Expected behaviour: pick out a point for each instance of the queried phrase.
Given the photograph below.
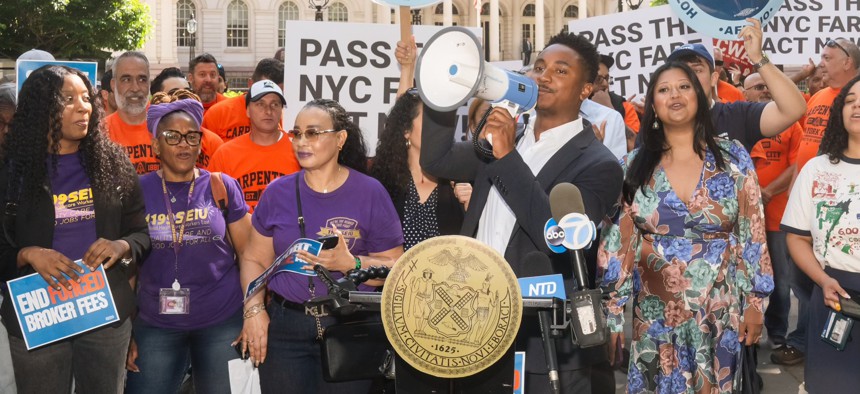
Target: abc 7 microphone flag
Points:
(573, 232)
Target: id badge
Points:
(174, 301)
(837, 329)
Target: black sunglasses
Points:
(834, 44)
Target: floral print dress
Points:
(692, 269)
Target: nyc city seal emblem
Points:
(451, 306)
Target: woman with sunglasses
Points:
(190, 302)
(334, 197)
(427, 206)
(821, 225)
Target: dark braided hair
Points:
(835, 138)
(36, 131)
(390, 167)
(354, 152)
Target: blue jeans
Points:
(776, 315)
(293, 362)
(802, 287)
(164, 355)
(96, 359)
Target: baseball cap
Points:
(262, 88)
(695, 49)
(36, 54)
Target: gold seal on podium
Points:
(451, 306)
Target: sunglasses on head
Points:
(834, 44)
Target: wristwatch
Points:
(761, 63)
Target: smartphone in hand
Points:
(328, 241)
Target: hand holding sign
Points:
(51, 265)
(336, 259)
(752, 37)
(105, 252)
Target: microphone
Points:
(589, 323)
(539, 265)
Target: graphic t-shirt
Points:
(361, 208)
(817, 114)
(824, 205)
(228, 119)
(208, 145)
(74, 212)
(136, 140)
(255, 166)
(205, 263)
(772, 156)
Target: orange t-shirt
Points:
(817, 114)
(228, 119)
(772, 157)
(631, 118)
(806, 96)
(208, 145)
(136, 141)
(728, 93)
(218, 98)
(254, 166)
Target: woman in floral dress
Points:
(688, 245)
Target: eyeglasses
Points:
(310, 135)
(758, 87)
(834, 44)
(413, 92)
(601, 79)
(173, 137)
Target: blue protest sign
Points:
(23, 68)
(286, 262)
(46, 315)
(723, 19)
(519, 372)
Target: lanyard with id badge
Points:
(175, 300)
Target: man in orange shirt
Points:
(725, 91)
(266, 153)
(203, 77)
(127, 126)
(774, 165)
(840, 60)
(229, 118)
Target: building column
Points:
(447, 13)
(583, 9)
(383, 13)
(540, 27)
(494, 30)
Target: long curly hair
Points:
(354, 152)
(654, 141)
(35, 135)
(391, 165)
(835, 138)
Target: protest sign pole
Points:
(405, 23)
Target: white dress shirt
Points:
(497, 220)
(615, 137)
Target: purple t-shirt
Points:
(74, 214)
(360, 208)
(206, 264)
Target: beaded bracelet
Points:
(253, 310)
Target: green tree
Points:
(73, 28)
(655, 3)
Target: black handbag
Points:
(750, 382)
(355, 351)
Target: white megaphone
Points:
(450, 71)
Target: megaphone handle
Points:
(405, 24)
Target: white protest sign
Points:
(802, 27)
(352, 63)
(639, 41)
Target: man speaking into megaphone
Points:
(510, 202)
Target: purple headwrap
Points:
(156, 112)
